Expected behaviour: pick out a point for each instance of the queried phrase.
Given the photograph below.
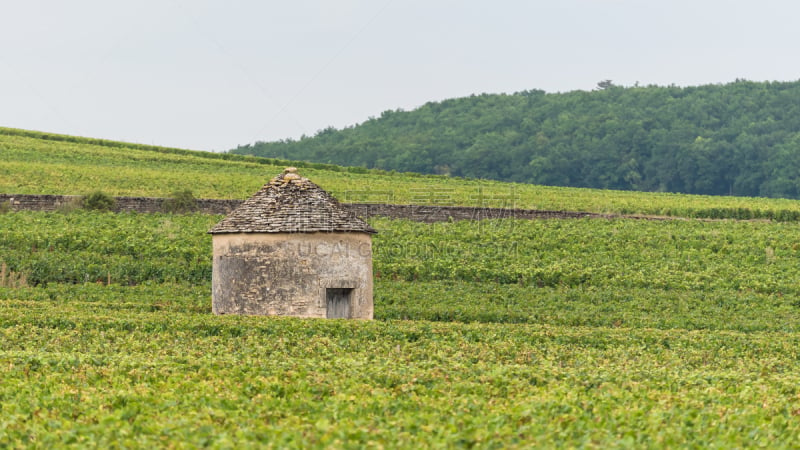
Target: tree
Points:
(612, 137)
(605, 84)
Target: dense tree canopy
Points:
(741, 138)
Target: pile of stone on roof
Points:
(290, 203)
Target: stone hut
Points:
(292, 250)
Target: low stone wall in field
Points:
(124, 204)
(34, 202)
(420, 213)
(425, 213)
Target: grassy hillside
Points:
(494, 334)
(37, 163)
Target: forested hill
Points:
(741, 138)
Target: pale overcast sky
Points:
(209, 75)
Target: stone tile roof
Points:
(290, 203)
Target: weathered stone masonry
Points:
(292, 250)
(283, 274)
(124, 204)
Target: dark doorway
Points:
(338, 302)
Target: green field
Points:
(503, 333)
(39, 163)
(102, 367)
(495, 334)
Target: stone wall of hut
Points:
(291, 274)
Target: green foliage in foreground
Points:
(98, 366)
(33, 163)
(595, 333)
(612, 307)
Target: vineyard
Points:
(105, 367)
(505, 333)
(39, 163)
(505, 268)
(502, 333)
